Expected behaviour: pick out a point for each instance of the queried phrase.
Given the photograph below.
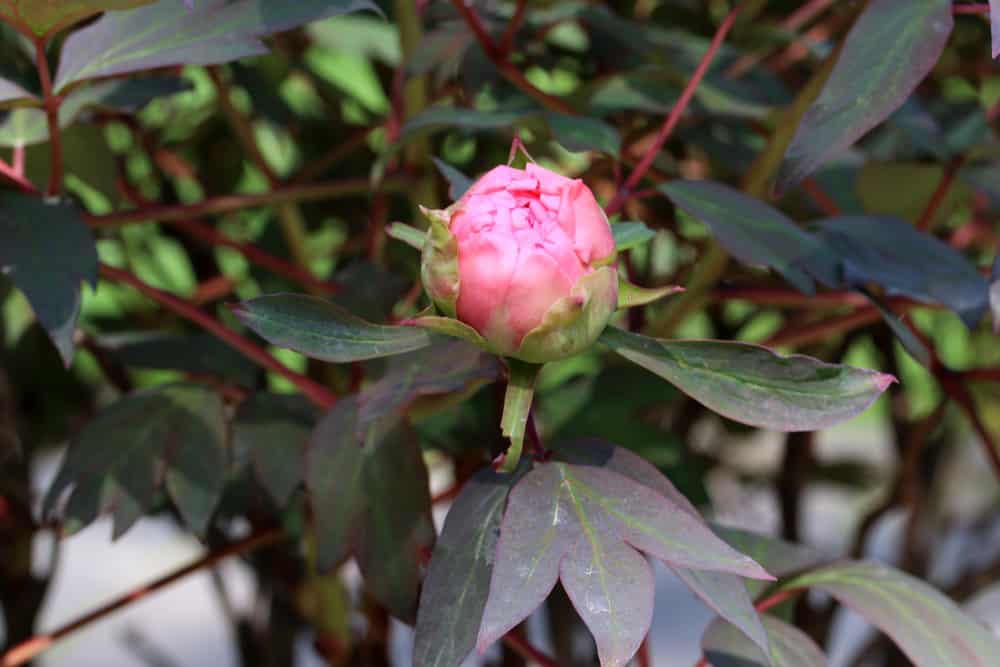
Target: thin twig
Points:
(807, 12)
(522, 647)
(12, 174)
(314, 391)
(33, 647)
(52, 103)
(956, 389)
(951, 169)
(971, 9)
(231, 203)
(507, 41)
(674, 117)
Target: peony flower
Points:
(527, 259)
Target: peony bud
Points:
(527, 259)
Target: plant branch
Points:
(951, 169)
(956, 389)
(231, 203)
(526, 650)
(971, 9)
(507, 41)
(318, 394)
(33, 647)
(503, 64)
(52, 103)
(16, 176)
(673, 118)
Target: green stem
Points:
(517, 408)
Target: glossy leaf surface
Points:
(42, 17)
(560, 509)
(752, 384)
(322, 330)
(888, 52)
(928, 627)
(754, 232)
(167, 33)
(458, 581)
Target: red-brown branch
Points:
(31, 648)
(16, 176)
(673, 118)
(954, 385)
(507, 41)
(526, 650)
(951, 169)
(317, 393)
(971, 9)
(52, 103)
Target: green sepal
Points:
(439, 261)
(517, 409)
(411, 236)
(451, 327)
(630, 295)
(572, 324)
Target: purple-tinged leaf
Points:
(559, 508)
(725, 593)
(755, 232)
(270, 433)
(47, 261)
(169, 439)
(368, 486)
(458, 580)
(611, 586)
(927, 626)
(725, 646)
(12, 91)
(422, 375)
(995, 26)
(888, 52)
(752, 384)
(322, 330)
(166, 33)
(778, 557)
(38, 18)
(892, 253)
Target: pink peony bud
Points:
(526, 258)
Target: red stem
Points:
(800, 336)
(211, 236)
(499, 59)
(507, 41)
(675, 114)
(15, 176)
(231, 203)
(818, 194)
(970, 9)
(29, 649)
(314, 391)
(983, 374)
(951, 170)
(52, 104)
(522, 647)
(956, 389)
(762, 606)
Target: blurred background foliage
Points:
(346, 114)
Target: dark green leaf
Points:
(198, 353)
(47, 251)
(368, 485)
(170, 439)
(753, 385)
(755, 232)
(458, 581)
(584, 525)
(725, 593)
(447, 367)
(725, 646)
(322, 330)
(892, 253)
(271, 432)
(458, 182)
(887, 53)
(580, 133)
(166, 33)
(631, 234)
(442, 118)
(928, 627)
(369, 291)
(43, 17)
